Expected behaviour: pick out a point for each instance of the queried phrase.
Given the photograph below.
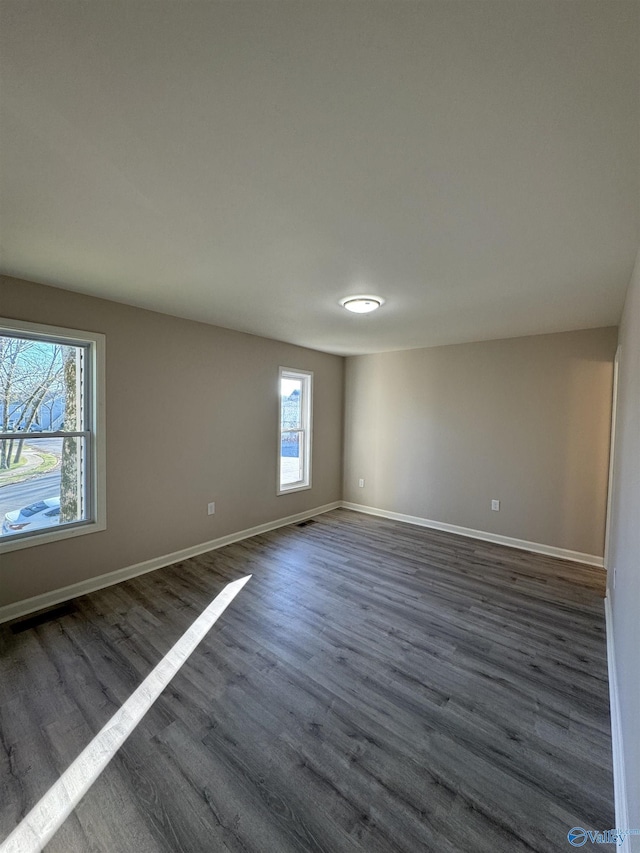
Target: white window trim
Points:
(307, 417)
(97, 468)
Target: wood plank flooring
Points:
(375, 687)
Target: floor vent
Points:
(42, 618)
(307, 522)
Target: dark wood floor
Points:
(375, 687)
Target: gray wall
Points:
(191, 417)
(439, 432)
(624, 546)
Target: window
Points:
(52, 478)
(294, 440)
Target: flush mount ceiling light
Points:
(361, 304)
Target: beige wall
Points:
(191, 418)
(624, 546)
(437, 433)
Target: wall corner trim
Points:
(617, 747)
(510, 542)
(57, 596)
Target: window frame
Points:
(94, 431)
(306, 428)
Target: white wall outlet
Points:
(211, 508)
(361, 483)
(495, 506)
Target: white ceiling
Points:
(248, 164)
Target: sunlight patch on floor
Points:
(48, 815)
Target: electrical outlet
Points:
(361, 483)
(495, 506)
(211, 508)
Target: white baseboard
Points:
(57, 596)
(523, 544)
(619, 783)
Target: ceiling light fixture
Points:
(361, 304)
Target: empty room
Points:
(319, 426)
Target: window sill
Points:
(287, 490)
(35, 539)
